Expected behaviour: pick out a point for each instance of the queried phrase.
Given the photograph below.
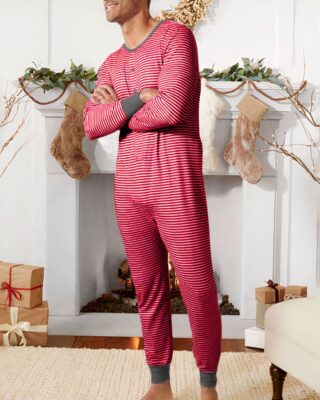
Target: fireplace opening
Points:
(123, 299)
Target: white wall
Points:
(51, 32)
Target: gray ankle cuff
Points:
(208, 379)
(159, 373)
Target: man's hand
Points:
(148, 93)
(103, 94)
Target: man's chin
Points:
(112, 19)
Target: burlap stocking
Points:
(66, 146)
(239, 151)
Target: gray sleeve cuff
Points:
(131, 104)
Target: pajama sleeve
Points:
(103, 119)
(177, 83)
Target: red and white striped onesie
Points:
(159, 192)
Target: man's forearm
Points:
(103, 119)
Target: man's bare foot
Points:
(159, 391)
(208, 393)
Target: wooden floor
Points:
(135, 343)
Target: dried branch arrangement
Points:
(8, 114)
(313, 146)
(187, 12)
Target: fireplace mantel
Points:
(77, 214)
(102, 152)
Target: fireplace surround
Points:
(83, 244)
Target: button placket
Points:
(132, 77)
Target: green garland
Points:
(250, 70)
(48, 79)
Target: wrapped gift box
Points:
(267, 294)
(299, 291)
(20, 284)
(24, 326)
(261, 309)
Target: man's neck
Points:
(137, 28)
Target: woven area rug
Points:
(51, 373)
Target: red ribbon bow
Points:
(14, 290)
(11, 291)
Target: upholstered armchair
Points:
(292, 342)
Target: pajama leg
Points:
(148, 262)
(184, 227)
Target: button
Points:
(131, 69)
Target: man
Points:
(149, 89)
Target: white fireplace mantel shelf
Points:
(82, 237)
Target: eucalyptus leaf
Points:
(245, 60)
(60, 84)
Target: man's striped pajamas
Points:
(159, 191)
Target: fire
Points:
(173, 279)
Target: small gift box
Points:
(24, 326)
(273, 293)
(261, 309)
(296, 291)
(20, 284)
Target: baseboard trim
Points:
(128, 325)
